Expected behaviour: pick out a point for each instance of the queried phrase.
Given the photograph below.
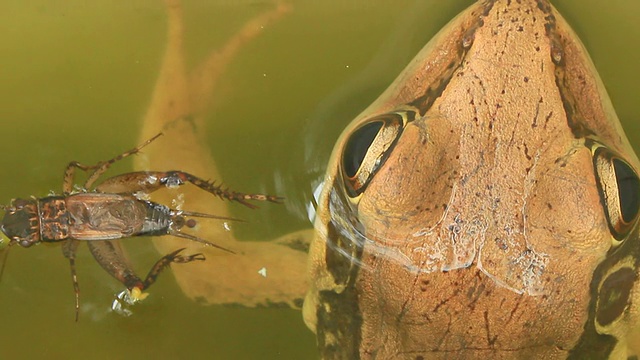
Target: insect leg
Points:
(70, 172)
(69, 250)
(4, 252)
(130, 183)
(110, 255)
(165, 261)
(98, 169)
(176, 178)
(112, 258)
(149, 181)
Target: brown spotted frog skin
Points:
(485, 206)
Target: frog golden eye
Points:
(367, 148)
(619, 190)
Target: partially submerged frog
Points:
(489, 187)
(485, 206)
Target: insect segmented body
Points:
(110, 211)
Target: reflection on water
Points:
(79, 79)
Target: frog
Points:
(484, 206)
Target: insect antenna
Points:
(4, 252)
(5, 243)
(197, 239)
(208, 216)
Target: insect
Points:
(114, 209)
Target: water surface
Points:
(76, 80)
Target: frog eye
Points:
(619, 188)
(367, 148)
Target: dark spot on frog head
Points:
(613, 297)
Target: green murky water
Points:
(75, 80)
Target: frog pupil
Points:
(628, 190)
(358, 145)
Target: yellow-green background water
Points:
(76, 77)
